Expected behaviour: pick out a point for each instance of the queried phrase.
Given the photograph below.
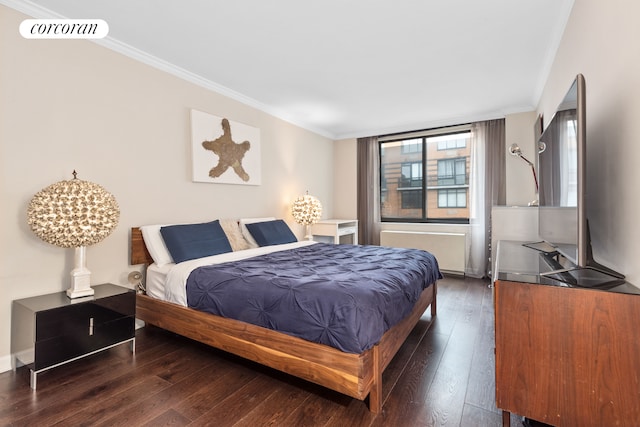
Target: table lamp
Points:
(306, 210)
(74, 214)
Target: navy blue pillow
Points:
(191, 241)
(271, 232)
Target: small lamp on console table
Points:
(74, 214)
(306, 210)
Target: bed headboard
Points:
(139, 252)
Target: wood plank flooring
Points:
(442, 376)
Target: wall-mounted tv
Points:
(562, 178)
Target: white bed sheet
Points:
(156, 278)
(168, 282)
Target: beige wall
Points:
(602, 41)
(520, 185)
(68, 105)
(345, 185)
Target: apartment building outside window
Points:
(425, 179)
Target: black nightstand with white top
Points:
(51, 330)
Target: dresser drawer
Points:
(49, 352)
(342, 231)
(75, 319)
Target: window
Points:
(425, 179)
(411, 175)
(411, 199)
(449, 144)
(452, 171)
(452, 198)
(412, 146)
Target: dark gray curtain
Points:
(496, 193)
(368, 191)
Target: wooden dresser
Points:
(565, 355)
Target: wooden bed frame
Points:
(356, 375)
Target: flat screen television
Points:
(562, 176)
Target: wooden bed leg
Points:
(506, 418)
(433, 302)
(375, 395)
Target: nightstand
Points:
(336, 231)
(50, 330)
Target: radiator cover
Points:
(448, 248)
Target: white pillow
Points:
(245, 231)
(155, 244)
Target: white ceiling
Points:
(343, 68)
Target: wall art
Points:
(224, 151)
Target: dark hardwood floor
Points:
(442, 376)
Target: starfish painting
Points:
(229, 153)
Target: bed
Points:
(354, 373)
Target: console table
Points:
(565, 355)
(336, 231)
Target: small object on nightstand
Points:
(135, 278)
(50, 330)
(336, 231)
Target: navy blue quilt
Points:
(344, 296)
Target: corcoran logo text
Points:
(64, 29)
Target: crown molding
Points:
(36, 11)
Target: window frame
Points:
(424, 135)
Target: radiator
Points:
(448, 248)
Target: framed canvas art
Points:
(224, 151)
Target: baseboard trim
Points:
(5, 363)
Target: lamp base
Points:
(80, 276)
(307, 230)
(74, 293)
(80, 285)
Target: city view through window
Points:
(426, 178)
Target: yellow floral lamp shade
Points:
(73, 213)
